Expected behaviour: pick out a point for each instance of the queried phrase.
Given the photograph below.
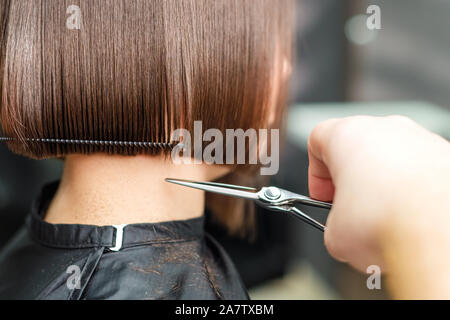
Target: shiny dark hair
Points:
(138, 69)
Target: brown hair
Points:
(138, 69)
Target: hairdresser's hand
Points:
(389, 180)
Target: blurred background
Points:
(341, 68)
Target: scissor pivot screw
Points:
(272, 193)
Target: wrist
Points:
(415, 248)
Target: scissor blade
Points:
(221, 188)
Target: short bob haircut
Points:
(138, 69)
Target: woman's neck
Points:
(107, 190)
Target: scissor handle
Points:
(275, 195)
(313, 203)
(291, 210)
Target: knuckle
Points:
(321, 130)
(347, 129)
(400, 119)
(333, 246)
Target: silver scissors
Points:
(271, 198)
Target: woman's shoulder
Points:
(197, 269)
(145, 268)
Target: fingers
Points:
(320, 181)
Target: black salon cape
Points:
(171, 260)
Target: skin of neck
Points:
(109, 190)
